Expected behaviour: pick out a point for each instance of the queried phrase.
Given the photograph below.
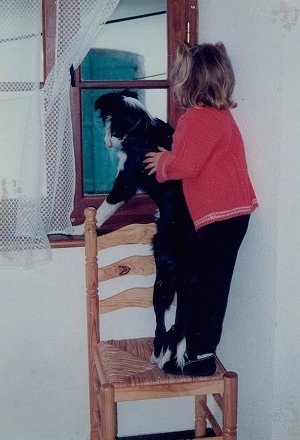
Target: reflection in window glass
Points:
(130, 19)
(100, 164)
(118, 54)
(112, 65)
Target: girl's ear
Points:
(183, 48)
(219, 45)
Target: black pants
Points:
(217, 248)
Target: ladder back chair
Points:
(120, 370)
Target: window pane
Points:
(119, 53)
(100, 164)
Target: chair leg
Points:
(108, 413)
(230, 406)
(200, 417)
(94, 435)
(94, 409)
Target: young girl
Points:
(208, 156)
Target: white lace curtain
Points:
(37, 173)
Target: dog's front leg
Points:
(104, 212)
(123, 189)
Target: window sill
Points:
(140, 209)
(63, 241)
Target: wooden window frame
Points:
(182, 25)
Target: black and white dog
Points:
(130, 127)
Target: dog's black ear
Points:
(129, 93)
(105, 103)
(99, 102)
(108, 102)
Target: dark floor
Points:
(182, 435)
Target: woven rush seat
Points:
(126, 362)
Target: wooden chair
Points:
(120, 370)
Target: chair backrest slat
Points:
(135, 297)
(133, 265)
(130, 234)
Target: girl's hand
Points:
(152, 159)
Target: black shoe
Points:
(203, 365)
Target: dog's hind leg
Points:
(163, 295)
(178, 349)
(187, 287)
(174, 346)
(161, 302)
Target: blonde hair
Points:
(203, 76)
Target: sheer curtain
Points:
(37, 175)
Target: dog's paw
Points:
(78, 230)
(161, 359)
(181, 353)
(166, 356)
(154, 359)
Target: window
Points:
(116, 61)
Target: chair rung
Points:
(219, 400)
(211, 418)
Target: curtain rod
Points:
(19, 37)
(136, 17)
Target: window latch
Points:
(72, 74)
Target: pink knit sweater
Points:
(208, 156)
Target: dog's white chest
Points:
(122, 159)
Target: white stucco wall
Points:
(262, 326)
(43, 371)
